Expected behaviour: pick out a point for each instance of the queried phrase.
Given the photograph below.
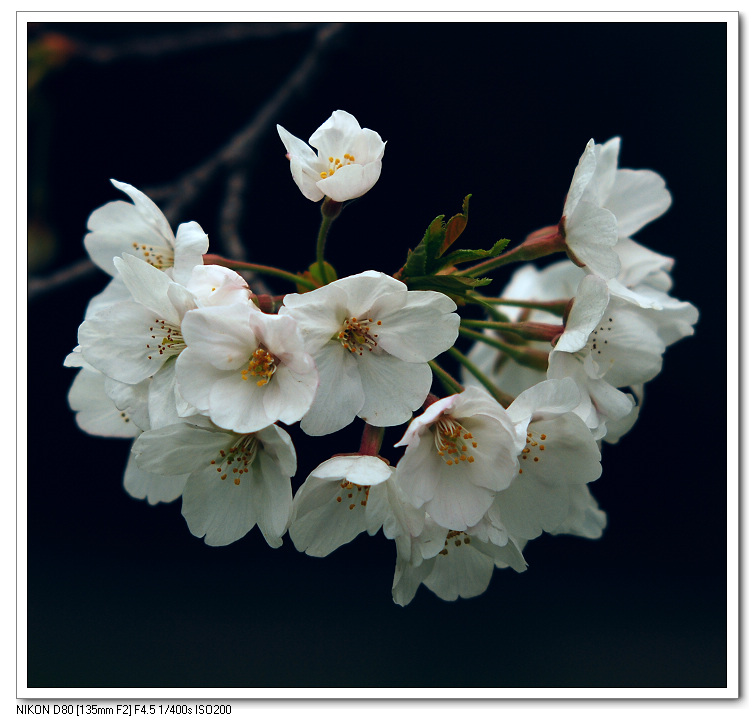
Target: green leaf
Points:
(448, 284)
(467, 256)
(455, 226)
(415, 261)
(433, 241)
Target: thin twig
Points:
(169, 44)
(70, 274)
(231, 212)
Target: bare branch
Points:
(230, 218)
(72, 273)
(160, 45)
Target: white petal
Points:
(325, 517)
(148, 286)
(220, 335)
(272, 497)
(238, 404)
(191, 244)
(96, 413)
(424, 327)
(363, 470)
(393, 388)
(116, 340)
(350, 181)
(218, 509)
(582, 175)
(339, 396)
(154, 487)
(179, 449)
(589, 306)
(638, 197)
(583, 518)
(591, 233)
(550, 396)
(116, 227)
(464, 572)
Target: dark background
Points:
(120, 594)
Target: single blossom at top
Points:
(140, 229)
(347, 163)
(371, 339)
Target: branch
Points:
(72, 273)
(231, 213)
(161, 45)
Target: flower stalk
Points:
(503, 398)
(212, 259)
(527, 329)
(330, 210)
(537, 245)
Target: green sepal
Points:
(313, 274)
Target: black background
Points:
(119, 592)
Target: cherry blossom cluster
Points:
(180, 355)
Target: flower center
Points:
(456, 538)
(533, 448)
(452, 441)
(158, 257)
(336, 164)
(262, 365)
(356, 335)
(353, 494)
(237, 459)
(171, 343)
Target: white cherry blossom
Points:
(102, 406)
(244, 368)
(118, 410)
(559, 453)
(371, 339)
(140, 229)
(347, 163)
(635, 197)
(235, 481)
(460, 568)
(605, 204)
(130, 341)
(340, 499)
(583, 517)
(459, 453)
